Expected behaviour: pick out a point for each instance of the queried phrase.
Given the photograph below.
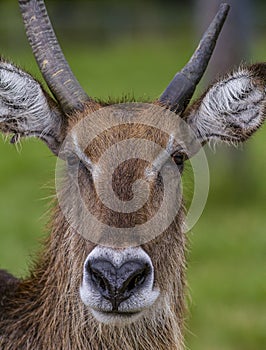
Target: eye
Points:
(72, 159)
(179, 158)
(74, 162)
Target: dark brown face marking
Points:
(123, 179)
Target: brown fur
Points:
(45, 311)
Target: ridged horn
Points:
(50, 58)
(180, 90)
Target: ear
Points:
(233, 108)
(26, 110)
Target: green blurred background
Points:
(117, 47)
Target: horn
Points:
(180, 90)
(50, 58)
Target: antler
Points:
(180, 90)
(50, 57)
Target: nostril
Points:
(139, 279)
(136, 279)
(98, 279)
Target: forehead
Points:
(128, 126)
(129, 137)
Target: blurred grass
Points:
(227, 275)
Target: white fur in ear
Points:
(24, 108)
(231, 110)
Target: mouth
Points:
(115, 316)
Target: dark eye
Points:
(72, 159)
(178, 158)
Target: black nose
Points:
(117, 284)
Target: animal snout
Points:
(118, 283)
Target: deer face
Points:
(119, 162)
(113, 201)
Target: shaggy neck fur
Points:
(46, 312)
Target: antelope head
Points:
(121, 191)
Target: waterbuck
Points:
(112, 272)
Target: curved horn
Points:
(180, 90)
(50, 58)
